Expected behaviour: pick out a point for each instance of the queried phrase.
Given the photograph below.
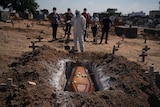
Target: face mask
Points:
(77, 14)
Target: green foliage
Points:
(20, 5)
(5, 3)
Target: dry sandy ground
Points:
(14, 43)
(131, 87)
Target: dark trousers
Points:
(85, 32)
(68, 30)
(54, 28)
(94, 31)
(103, 32)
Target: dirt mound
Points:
(125, 83)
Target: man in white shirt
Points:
(94, 22)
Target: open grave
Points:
(39, 78)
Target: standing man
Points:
(68, 17)
(54, 18)
(106, 22)
(94, 22)
(79, 25)
(87, 17)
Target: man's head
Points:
(77, 12)
(69, 10)
(84, 10)
(54, 9)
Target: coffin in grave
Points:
(4, 15)
(80, 80)
(129, 32)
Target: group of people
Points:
(80, 22)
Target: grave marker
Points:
(146, 48)
(118, 44)
(114, 49)
(143, 55)
(28, 26)
(12, 23)
(33, 46)
(123, 36)
(145, 39)
(42, 32)
(39, 38)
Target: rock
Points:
(105, 97)
(9, 82)
(3, 87)
(31, 83)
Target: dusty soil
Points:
(37, 75)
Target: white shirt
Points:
(94, 21)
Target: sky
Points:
(124, 6)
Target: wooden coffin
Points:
(80, 80)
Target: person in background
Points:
(68, 17)
(87, 17)
(94, 25)
(79, 26)
(54, 18)
(106, 23)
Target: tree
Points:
(20, 5)
(23, 5)
(5, 3)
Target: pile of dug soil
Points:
(32, 73)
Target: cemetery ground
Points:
(36, 78)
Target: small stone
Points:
(9, 82)
(3, 87)
(31, 83)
